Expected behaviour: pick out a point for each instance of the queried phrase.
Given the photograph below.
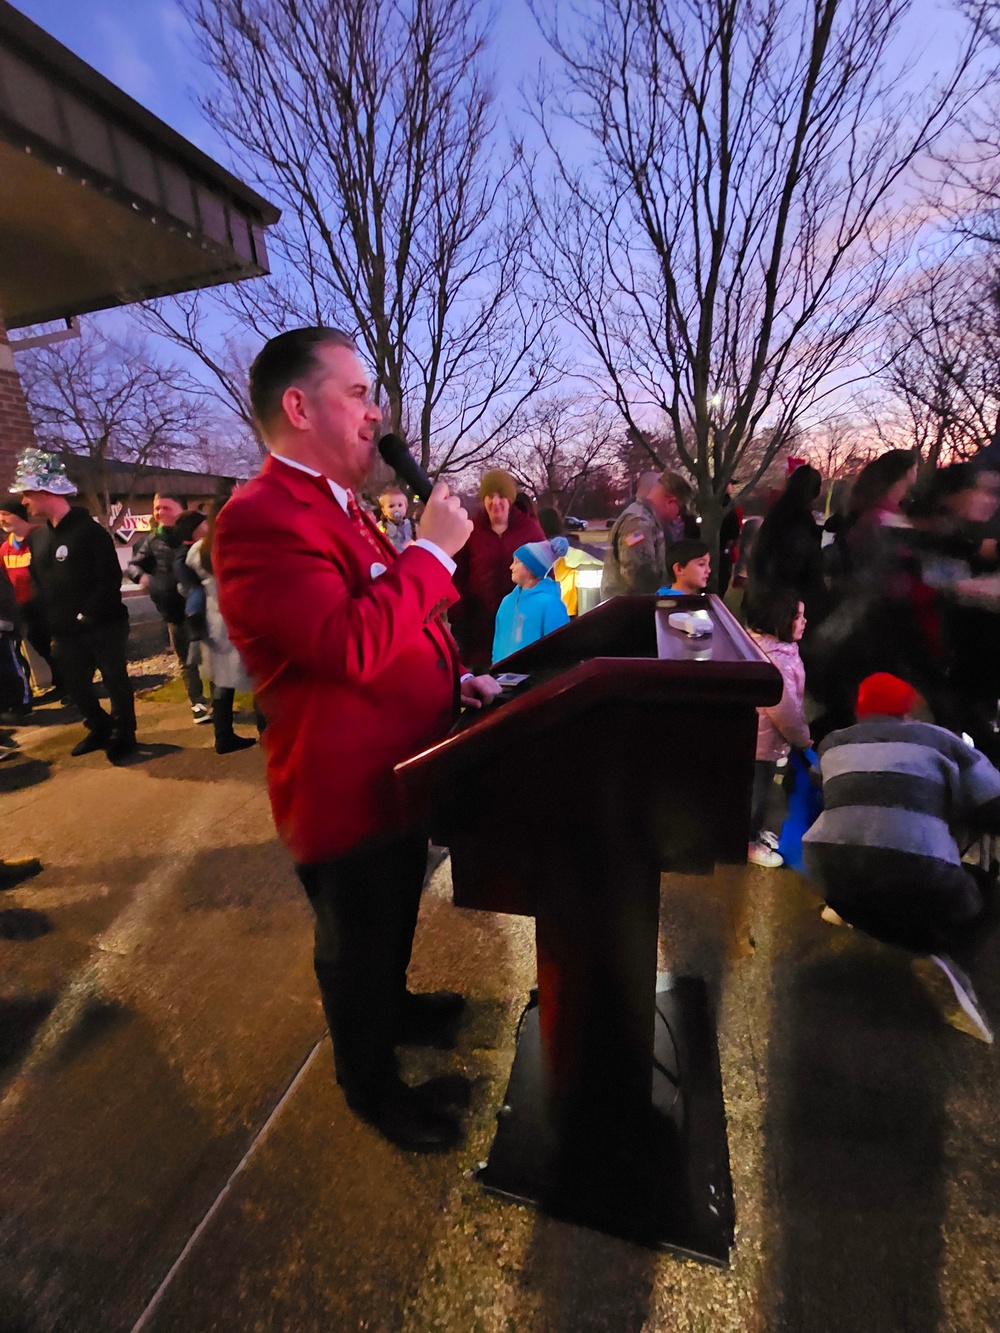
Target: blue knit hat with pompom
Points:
(539, 557)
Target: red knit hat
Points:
(885, 695)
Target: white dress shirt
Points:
(340, 495)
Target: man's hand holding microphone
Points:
(445, 523)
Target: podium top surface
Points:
(622, 651)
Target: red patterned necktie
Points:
(379, 543)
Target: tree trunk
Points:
(710, 509)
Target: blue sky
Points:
(141, 45)
(145, 47)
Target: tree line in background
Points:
(723, 232)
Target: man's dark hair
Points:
(286, 360)
(684, 551)
(772, 611)
(679, 487)
(168, 495)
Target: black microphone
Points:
(405, 466)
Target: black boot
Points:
(226, 740)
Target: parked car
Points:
(572, 524)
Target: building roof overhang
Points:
(101, 203)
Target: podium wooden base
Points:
(664, 1182)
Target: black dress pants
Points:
(78, 656)
(366, 905)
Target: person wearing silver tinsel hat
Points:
(75, 568)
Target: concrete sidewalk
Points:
(157, 1004)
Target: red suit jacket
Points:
(352, 669)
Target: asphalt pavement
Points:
(175, 1155)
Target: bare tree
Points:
(372, 123)
(943, 357)
(839, 446)
(216, 330)
(970, 167)
(731, 203)
(112, 403)
(557, 445)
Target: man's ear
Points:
(295, 406)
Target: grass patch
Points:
(174, 692)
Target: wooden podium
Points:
(628, 750)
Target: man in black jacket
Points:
(152, 567)
(74, 567)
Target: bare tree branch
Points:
(737, 193)
(943, 357)
(558, 445)
(372, 123)
(113, 402)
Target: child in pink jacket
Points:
(776, 622)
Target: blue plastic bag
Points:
(805, 805)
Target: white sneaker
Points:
(759, 855)
(964, 994)
(201, 713)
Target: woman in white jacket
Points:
(776, 623)
(225, 667)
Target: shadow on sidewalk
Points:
(859, 1075)
(20, 773)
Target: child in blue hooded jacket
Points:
(535, 607)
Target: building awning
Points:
(101, 203)
(142, 480)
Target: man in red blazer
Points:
(353, 671)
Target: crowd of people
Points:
(884, 623)
(906, 580)
(388, 626)
(63, 619)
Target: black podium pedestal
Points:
(664, 1183)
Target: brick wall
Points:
(16, 432)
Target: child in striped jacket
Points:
(884, 852)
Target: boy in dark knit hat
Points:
(535, 607)
(895, 791)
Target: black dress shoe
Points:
(234, 743)
(430, 1018)
(13, 873)
(407, 1119)
(120, 747)
(94, 740)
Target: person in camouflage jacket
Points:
(636, 560)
